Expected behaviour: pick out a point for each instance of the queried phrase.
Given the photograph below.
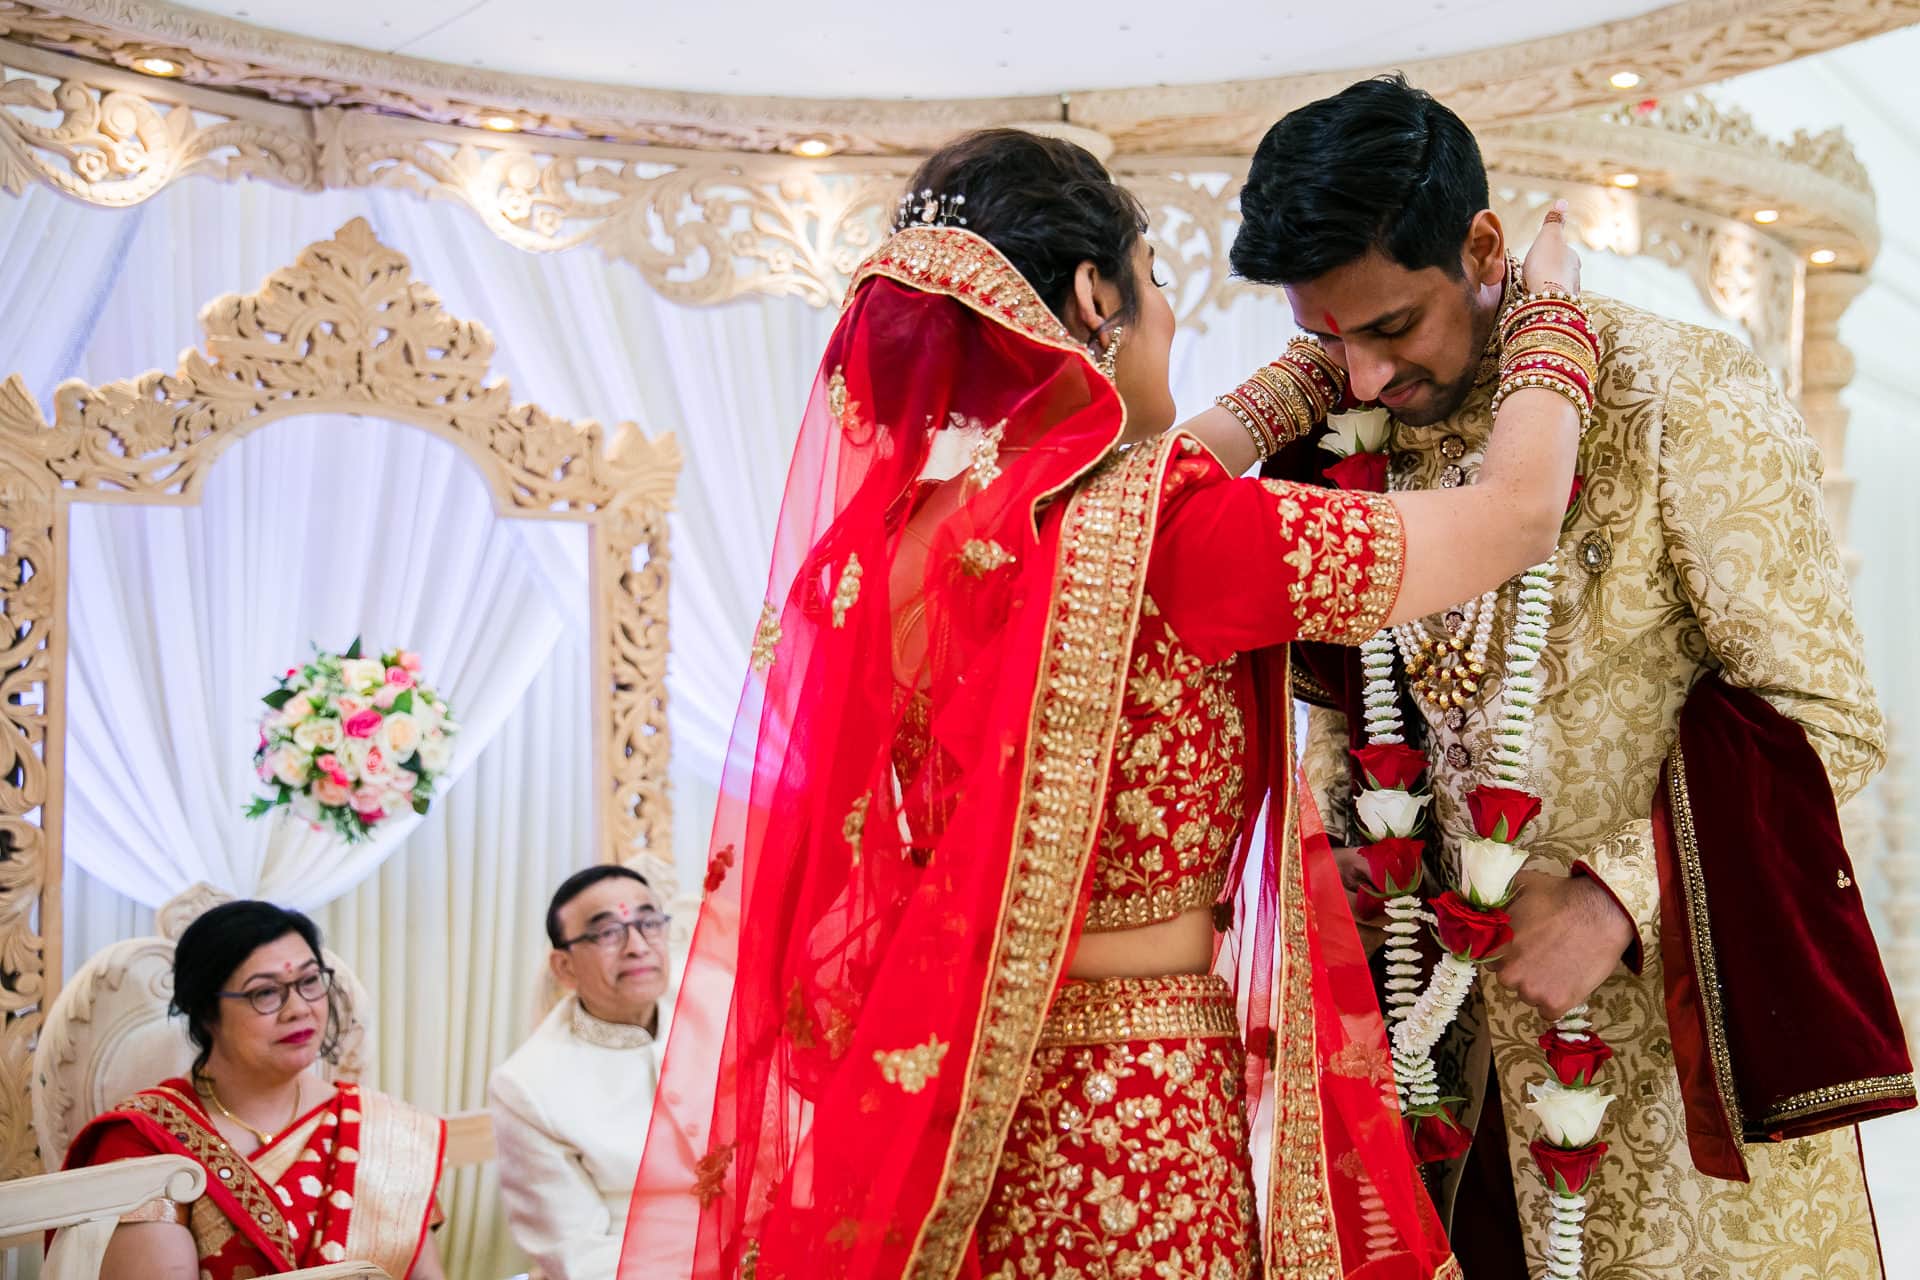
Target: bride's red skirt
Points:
(1128, 1152)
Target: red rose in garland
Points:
(1360, 472)
(1575, 1062)
(1436, 1135)
(1391, 766)
(1500, 813)
(1466, 930)
(1395, 864)
(1567, 1171)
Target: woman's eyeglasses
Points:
(271, 997)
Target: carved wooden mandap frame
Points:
(347, 329)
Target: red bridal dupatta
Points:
(902, 849)
(352, 1180)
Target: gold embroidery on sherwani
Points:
(1106, 534)
(1695, 460)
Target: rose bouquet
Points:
(349, 741)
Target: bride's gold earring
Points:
(1110, 358)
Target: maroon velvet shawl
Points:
(1783, 1023)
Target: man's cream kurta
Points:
(1700, 543)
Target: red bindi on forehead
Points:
(1333, 326)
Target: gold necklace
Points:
(204, 1085)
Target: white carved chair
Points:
(108, 1034)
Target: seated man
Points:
(570, 1107)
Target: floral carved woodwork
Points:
(345, 329)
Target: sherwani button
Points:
(1453, 448)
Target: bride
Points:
(992, 976)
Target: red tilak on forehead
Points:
(1333, 326)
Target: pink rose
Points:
(362, 724)
(400, 676)
(403, 780)
(366, 801)
(329, 764)
(329, 792)
(375, 765)
(348, 705)
(410, 660)
(388, 695)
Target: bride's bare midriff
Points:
(1183, 944)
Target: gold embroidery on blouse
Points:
(981, 556)
(848, 592)
(911, 1069)
(1179, 775)
(766, 638)
(1339, 600)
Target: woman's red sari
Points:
(352, 1179)
(880, 940)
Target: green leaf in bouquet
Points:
(420, 805)
(353, 650)
(412, 765)
(404, 702)
(260, 807)
(278, 698)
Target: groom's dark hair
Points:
(1379, 165)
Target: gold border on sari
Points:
(224, 1166)
(394, 1181)
(1099, 580)
(1299, 1239)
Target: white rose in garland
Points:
(1487, 868)
(1569, 1116)
(350, 741)
(1387, 814)
(1361, 431)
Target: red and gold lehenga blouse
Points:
(989, 710)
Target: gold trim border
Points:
(1706, 964)
(1834, 1096)
(1100, 579)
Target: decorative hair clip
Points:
(928, 210)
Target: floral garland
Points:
(1471, 918)
(349, 741)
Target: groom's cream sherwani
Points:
(1700, 544)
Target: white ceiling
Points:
(873, 49)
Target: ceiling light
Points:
(815, 147)
(1766, 216)
(500, 124)
(1626, 181)
(1823, 257)
(157, 66)
(1625, 80)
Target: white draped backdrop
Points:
(316, 530)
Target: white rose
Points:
(436, 751)
(296, 710)
(352, 754)
(362, 675)
(1387, 814)
(1362, 431)
(318, 734)
(1487, 868)
(1571, 1117)
(399, 736)
(291, 766)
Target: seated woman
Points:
(300, 1172)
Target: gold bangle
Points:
(1263, 444)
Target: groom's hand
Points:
(1568, 934)
(1354, 877)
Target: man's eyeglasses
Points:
(271, 997)
(612, 935)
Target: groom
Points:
(1702, 647)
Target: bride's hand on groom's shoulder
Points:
(1551, 263)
